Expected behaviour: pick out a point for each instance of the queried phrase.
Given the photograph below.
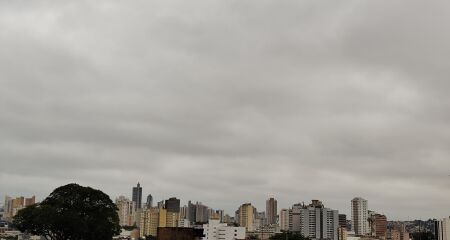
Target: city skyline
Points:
(260, 209)
(229, 102)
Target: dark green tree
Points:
(422, 236)
(71, 212)
(288, 236)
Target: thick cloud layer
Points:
(227, 102)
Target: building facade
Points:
(318, 222)
(284, 219)
(137, 196)
(215, 230)
(247, 216)
(360, 224)
(149, 203)
(149, 222)
(271, 211)
(378, 225)
(443, 229)
(173, 205)
(343, 221)
(13, 205)
(126, 211)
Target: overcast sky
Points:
(227, 102)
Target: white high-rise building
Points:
(315, 221)
(443, 229)
(284, 219)
(360, 223)
(215, 230)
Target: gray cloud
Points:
(229, 102)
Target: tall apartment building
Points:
(201, 213)
(260, 220)
(219, 214)
(315, 221)
(191, 212)
(378, 225)
(13, 205)
(442, 229)
(126, 211)
(295, 217)
(215, 230)
(343, 221)
(137, 196)
(160, 204)
(247, 216)
(271, 211)
(155, 217)
(360, 223)
(149, 203)
(149, 222)
(342, 233)
(284, 219)
(184, 212)
(173, 205)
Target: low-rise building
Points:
(171, 233)
(215, 230)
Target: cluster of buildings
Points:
(150, 219)
(167, 219)
(13, 205)
(313, 220)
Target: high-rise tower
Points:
(137, 196)
(149, 203)
(271, 211)
(360, 223)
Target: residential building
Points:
(271, 211)
(149, 203)
(191, 212)
(153, 218)
(260, 220)
(247, 216)
(342, 233)
(184, 223)
(284, 219)
(126, 211)
(173, 205)
(378, 225)
(13, 205)
(398, 232)
(171, 218)
(228, 219)
(30, 201)
(184, 212)
(343, 221)
(161, 204)
(315, 221)
(215, 230)
(220, 214)
(137, 196)
(443, 229)
(295, 217)
(360, 224)
(149, 222)
(201, 213)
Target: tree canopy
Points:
(71, 212)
